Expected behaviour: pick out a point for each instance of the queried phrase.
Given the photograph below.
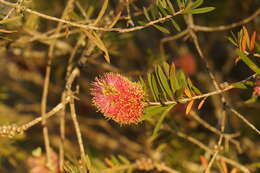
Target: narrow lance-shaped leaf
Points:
(196, 4)
(155, 88)
(201, 103)
(175, 25)
(173, 79)
(181, 79)
(252, 42)
(170, 6)
(245, 32)
(146, 14)
(187, 93)
(166, 69)
(98, 42)
(189, 106)
(248, 62)
(243, 44)
(123, 159)
(162, 29)
(164, 81)
(115, 20)
(199, 10)
(102, 12)
(149, 78)
(162, 10)
(232, 41)
(151, 111)
(193, 87)
(160, 121)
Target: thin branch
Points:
(228, 137)
(13, 130)
(207, 149)
(243, 119)
(89, 27)
(227, 27)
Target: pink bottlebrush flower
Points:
(257, 88)
(118, 98)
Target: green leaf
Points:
(160, 121)
(181, 79)
(164, 81)
(37, 152)
(199, 10)
(246, 85)
(170, 7)
(102, 12)
(196, 4)
(162, 10)
(151, 111)
(149, 78)
(232, 41)
(141, 81)
(123, 159)
(162, 29)
(173, 79)
(166, 68)
(193, 87)
(252, 99)
(248, 62)
(146, 14)
(180, 4)
(175, 25)
(162, 3)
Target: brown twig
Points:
(240, 116)
(227, 27)
(207, 149)
(90, 27)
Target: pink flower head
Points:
(118, 98)
(257, 88)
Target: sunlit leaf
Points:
(189, 106)
(243, 44)
(234, 170)
(187, 93)
(201, 103)
(245, 33)
(115, 20)
(101, 12)
(123, 159)
(252, 42)
(223, 166)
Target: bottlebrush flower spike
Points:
(118, 98)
